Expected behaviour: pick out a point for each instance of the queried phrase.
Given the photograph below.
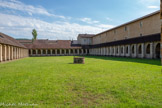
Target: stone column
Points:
(118, 50)
(12, 55)
(124, 51)
(41, 52)
(46, 52)
(86, 51)
(5, 53)
(73, 51)
(101, 51)
(36, 52)
(69, 51)
(17, 53)
(135, 50)
(151, 50)
(106, 51)
(51, 52)
(78, 51)
(82, 52)
(9, 53)
(56, 52)
(114, 51)
(31, 52)
(111, 51)
(60, 51)
(65, 53)
(1, 59)
(129, 50)
(143, 50)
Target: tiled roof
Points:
(5, 39)
(86, 35)
(48, 44)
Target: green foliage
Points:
(34, 33)
(100, 82)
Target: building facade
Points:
(11, 49)
(139, 38)
(53, 48)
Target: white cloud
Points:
(21, 27)
(109, 19)
(104, 26)
(148, 3)
(17, 5)
(89, 20)
(153, 7)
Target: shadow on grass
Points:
(137, 60)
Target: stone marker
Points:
(78, 60)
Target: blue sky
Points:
(65, 19)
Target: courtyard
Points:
(100, 82)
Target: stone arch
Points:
(157, 51)
(122, 50)
(71, 50)
(113, 50)
(76, 51)
(127, 50)
(117, 51)
(80, 51)
(39, 51)
(84, 51)
(34, 51)
(44, 51)
(140, 49)
(49, 51)
(58, 51)
(53, 52)
(132, 50)
(148, 49)
(63, 51)
(67, 51)
(14, 51)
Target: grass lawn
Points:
(100, 82)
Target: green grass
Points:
(100, 82)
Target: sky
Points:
(65, 19)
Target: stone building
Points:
(139, 38)
(11, 49)
(53, 48)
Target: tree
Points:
(34, 33)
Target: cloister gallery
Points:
(139, 38)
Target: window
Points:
(1, 36)
(84, 40)
(125, 28)
(141, 24)
(114, 31)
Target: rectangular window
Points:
(114, 31)
(125, 28)
(141, 24)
